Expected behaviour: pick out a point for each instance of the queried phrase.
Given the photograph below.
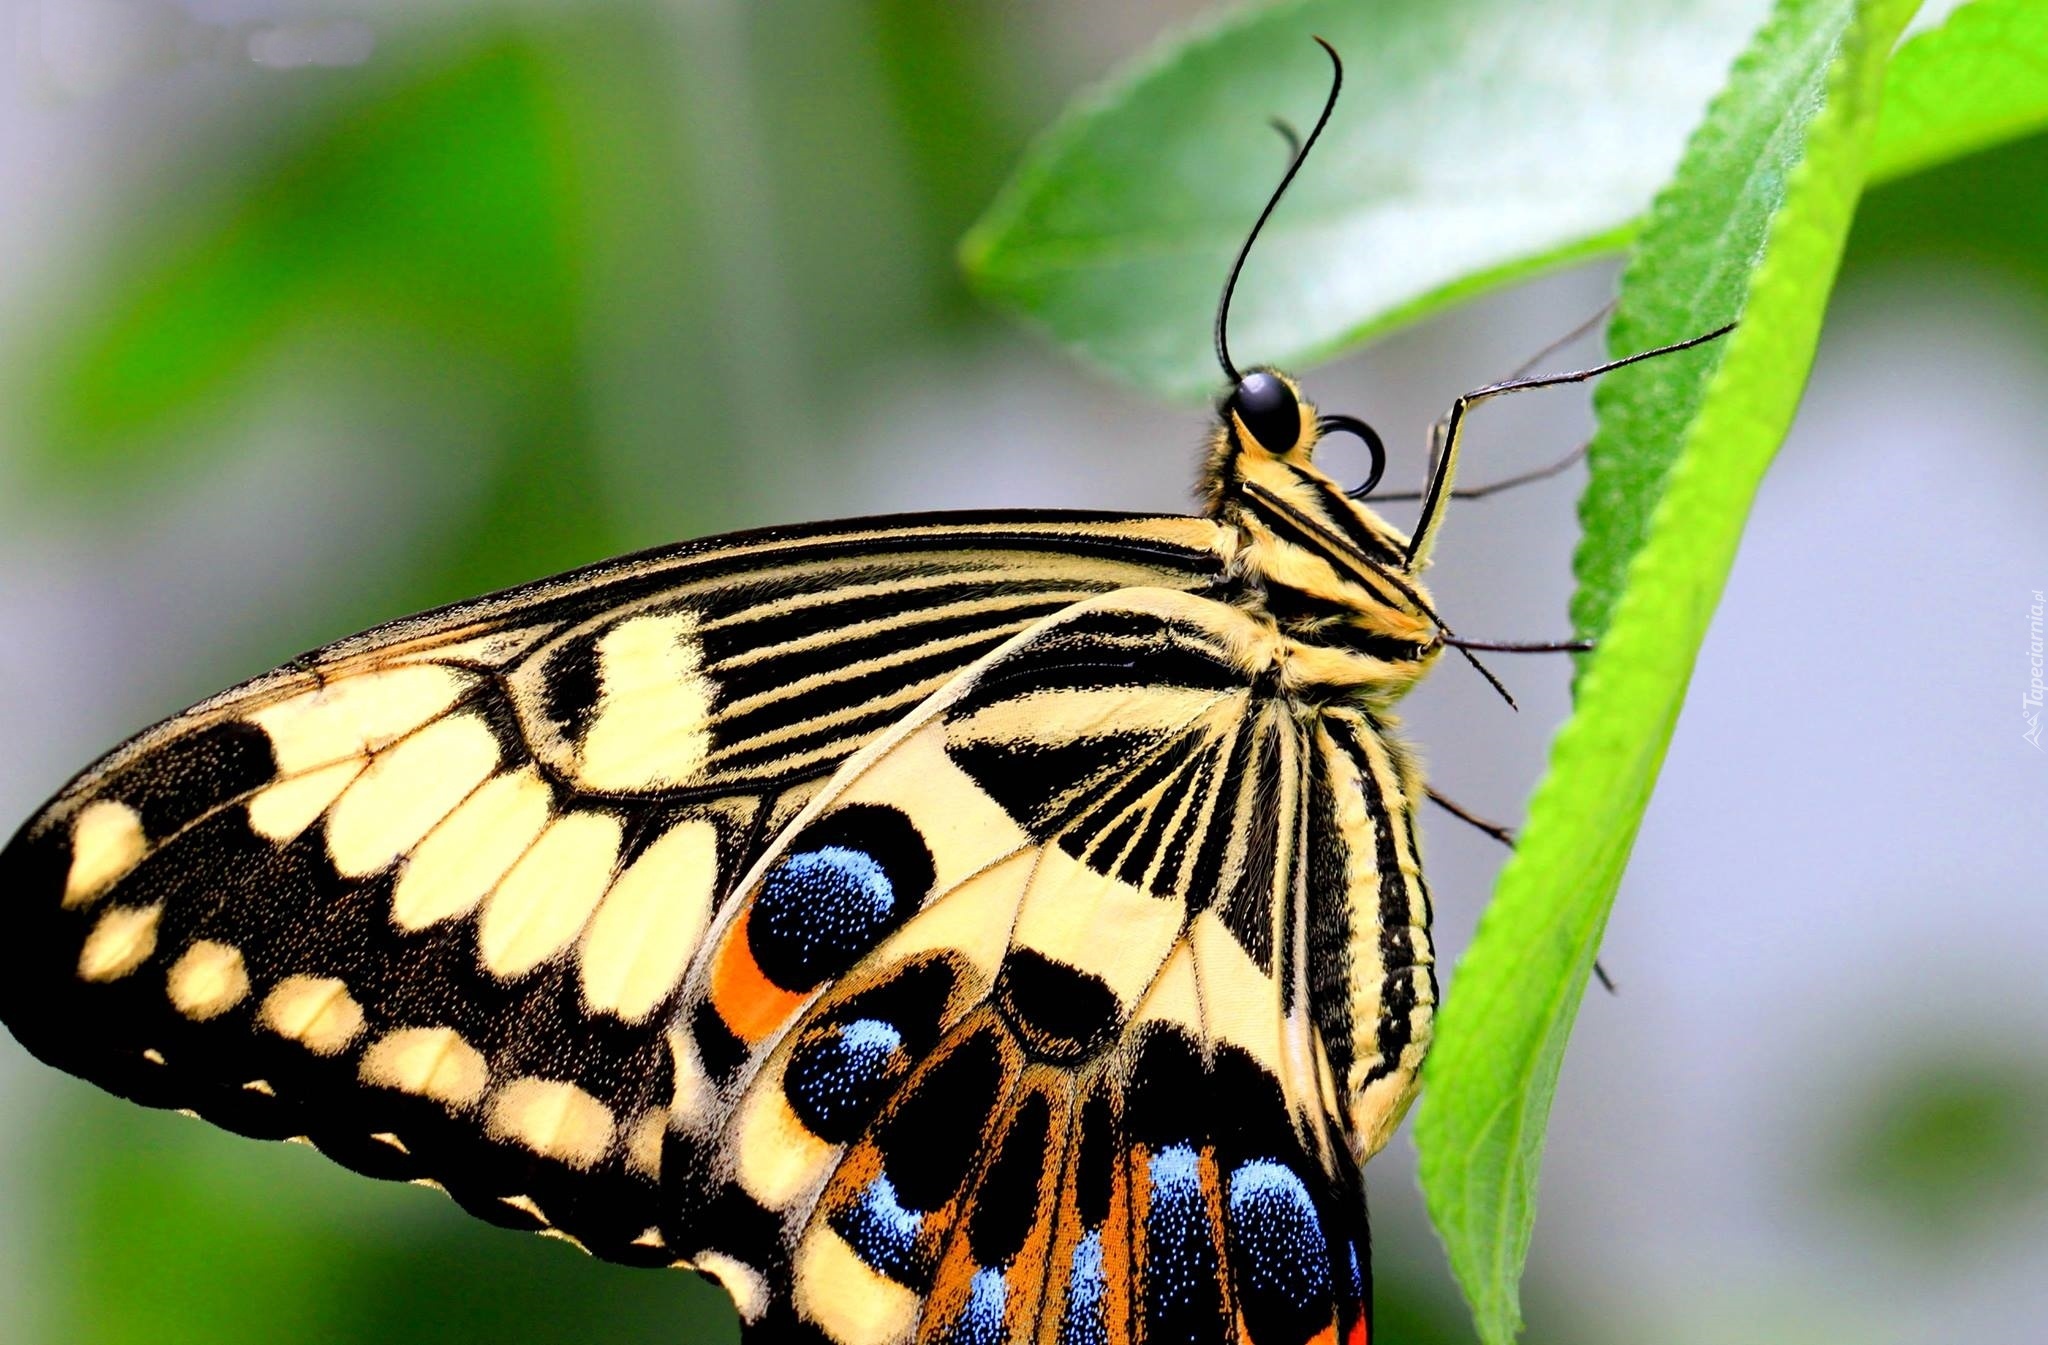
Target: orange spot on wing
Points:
(1358, 1333)
(751, 1004)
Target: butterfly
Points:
(966, 928)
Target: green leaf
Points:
(1978, 80)
(1687, 273)
(1758, 213)
(1476, 143)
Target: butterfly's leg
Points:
(1463, 814)
(1444, 437)
(1543, 473)
(1505, 837)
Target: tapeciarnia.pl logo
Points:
(2030, 704)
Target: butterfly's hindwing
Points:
(1036, 1069)
(426, 898)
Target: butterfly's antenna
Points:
(1293, 167)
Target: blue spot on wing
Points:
(848, 880)
(1083, 1321)
(1176, 1174)
(883, 1233)
(1183, 1294)
(837, 1080)
(817, 911)
(1279, 1256)
(981, 1321)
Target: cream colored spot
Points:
(1241, 1004)
(693, 1093)
(748, 1289)
(260, 1086)
(122, 941)
(641, 938)
(281, 811)
(406, 790)
(153, 1056)
(653, 717)
(387, 1138)
(1175, 995)
(1070, 716)
(464, 857)
(554, 1119)
(526, 1205)
(1108, 928)
(643, 1143)
(543, 903)
(856, 1304)
(972, 921)
(315, 1011)
(651, 1237)
(207, 980)
(779, 1160)
(356, 715)
(570, 1238)
(106, 842)
(431, 1062)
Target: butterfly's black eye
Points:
(1267, 407)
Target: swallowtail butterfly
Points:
(967, 928)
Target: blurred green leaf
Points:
(955, 130)
(1946, 1147)
(1757, 213)
(1983, 211)
(181, 1233)
(441, 202)
(447, 227)
(1476, 144)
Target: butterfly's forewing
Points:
(1033, 1026)
(428, 897)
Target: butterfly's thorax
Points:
(1328, 574)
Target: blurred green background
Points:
(318, 313)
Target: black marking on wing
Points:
(1398, 996)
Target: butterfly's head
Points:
(1267, 431)
(1265, 412)
(1342, 571)
(1266, 408)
